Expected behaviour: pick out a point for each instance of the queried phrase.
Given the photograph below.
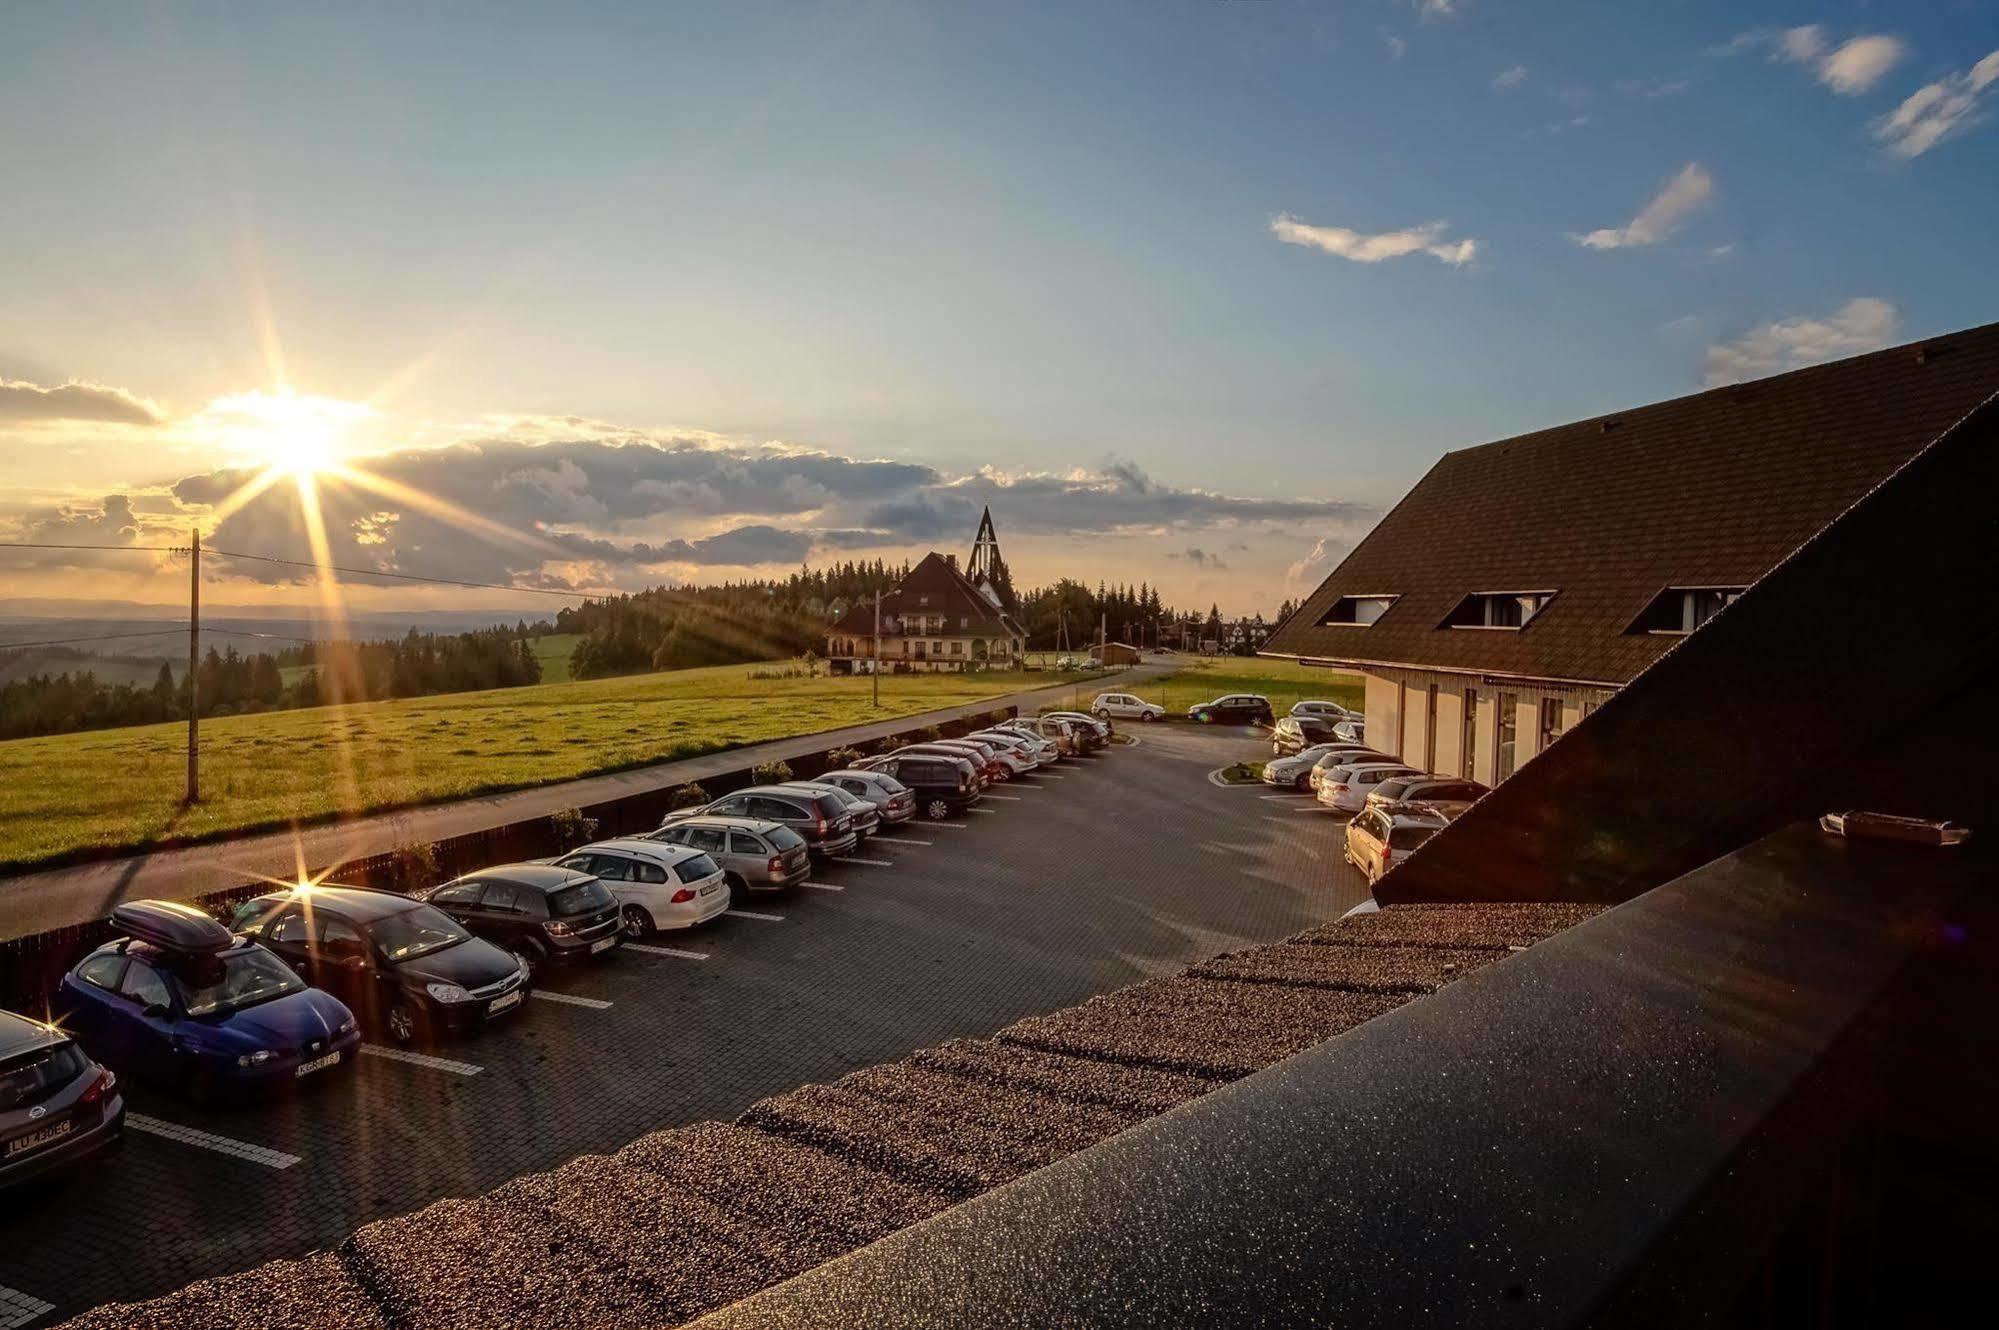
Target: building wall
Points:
(1399, 718)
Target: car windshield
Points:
(216, 986)
(830, 805)
(783, 838)
(417, 932)
(579, 899)
(699, 867)
(35, 1076)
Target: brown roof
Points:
(1708, 490)
(937, 586)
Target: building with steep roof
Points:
(1522, 582)
(935, 619)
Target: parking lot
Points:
(1080, 879)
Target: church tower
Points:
(987, 567)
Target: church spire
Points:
(987, 567)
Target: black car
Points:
(1297, 732)
(943, 785)
(821, 817)
(404, 967)
(540, 912)
(1233, 709)
(56, 1105)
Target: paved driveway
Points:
(1105, 871)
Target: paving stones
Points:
(1412, 970)
(317, 1292)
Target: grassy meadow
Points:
(115, 788)
(1284, 682)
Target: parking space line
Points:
(594, 1004)
(954, 826)
(899, 840)
(453, 1066)
(18, 1308)
(850, 859)
(1005, 798)
(1046, 775)
(666, 951)
(986, 810)
(1286, 798)
(822, 886)
(752, 914)
(173, 1131)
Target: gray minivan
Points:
(754, 854)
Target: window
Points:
(774, 810)
(1498, 609)
(957, 648)
(291, 927)
(101, 971)
(1509, 725)
(741, 842)
(1681, 609)
(1551, 722)
(1468, 741)
(1357, 611)
(609, 868)
(501, 898)
(695, 869)
(458, 893)
(144, 986)
(707, 839)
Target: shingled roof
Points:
(1708, 490)
(937, 586)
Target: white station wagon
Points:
(1123, 706)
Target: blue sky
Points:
(1048, 239)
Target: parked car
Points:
(57, 1105)
(1344, 789)
(1381, 836)
(943, 785)
(987, 771)
(1449, 795)
(1341, 754)
(754, 855)
(543, 913)
(866, 820)
(1331, 711)
(182, 999)
(892, 800)
(1033, 751)
(1125, 706)
(1094, 733)
(406, 967)
(821, 819)
(959, 763)
(651, 884)
(1232, 709)
(1066, 737)
(1295, 771)
(1352, 731)
(1292, 733)
(1002, 764)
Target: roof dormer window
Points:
(1681, 609)
(1498, 609)
(1357, 611)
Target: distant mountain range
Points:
(148, 631)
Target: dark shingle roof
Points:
(1708, 490)
(936, 586)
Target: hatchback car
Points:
(1449, 795)
(1031, 753)
(1342, 754)
(1331, 711)
(1293, 733)
(942, 785)
(182, 999)
(1067, 738)
(1382, 835)
(1352, 730)
(1345, 789)
(892, 800)
(866, 820)
(1096, 732)
(998, 765)
(1232, 709)
(820, 819)
(754, 855)
(406, 967)
(1125, 706)
(656, 884)
(56, 1105)
(1295, 771)
(984, 772)
(542, 913)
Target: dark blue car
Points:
(184, 998)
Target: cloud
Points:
(1850, 68)
(1311, 570)
(1200, 558)
(75, 400)
(1425, 239)
(1935, 111)
(1431, 10)
(1862, 324)
(1686, 192)
(1510, 78)
(1397, 48)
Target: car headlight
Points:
(347, 1026)
(447, 993)
(256, 1059)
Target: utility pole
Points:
(876, 672)
(194, 668)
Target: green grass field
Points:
(116, 788)
(1284, 682)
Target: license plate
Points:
(319, 1064)
(603, 944)
(504, 1001)
(34, 1140)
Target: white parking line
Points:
(900, 840)
(954, 826)
(18, 1308)
(752, 914)
(1046, 775)
(570, 999)
(421, 1060)
(822, 886)
(1005, 798)
(850, 859)
(1286, 798)
(667, 951)
(986, 810)
(173, 1131)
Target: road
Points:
(1098, 873)
(37, 902)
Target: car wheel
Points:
(1101, 714)
(1304, 783)
(937, 810)
(402, 1022)
(1147, 716)
(637, 923)
(1203, 716)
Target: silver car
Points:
(866, 820)
(754, 855)
(893, 801)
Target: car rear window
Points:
(700, 866)
(891, 785)
(33, 1077)
(830, 805)
(784, 838)
(579, 899)
(1408, 837)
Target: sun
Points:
(288, 434)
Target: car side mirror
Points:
(158, 1011)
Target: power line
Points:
(101, 637)
(400, 577)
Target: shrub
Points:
(571, 828)
(842, 757)
(416, 865)
(929, 734)
(689, 795)
(771, 773)
(883, 747)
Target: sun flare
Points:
(291, 434)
